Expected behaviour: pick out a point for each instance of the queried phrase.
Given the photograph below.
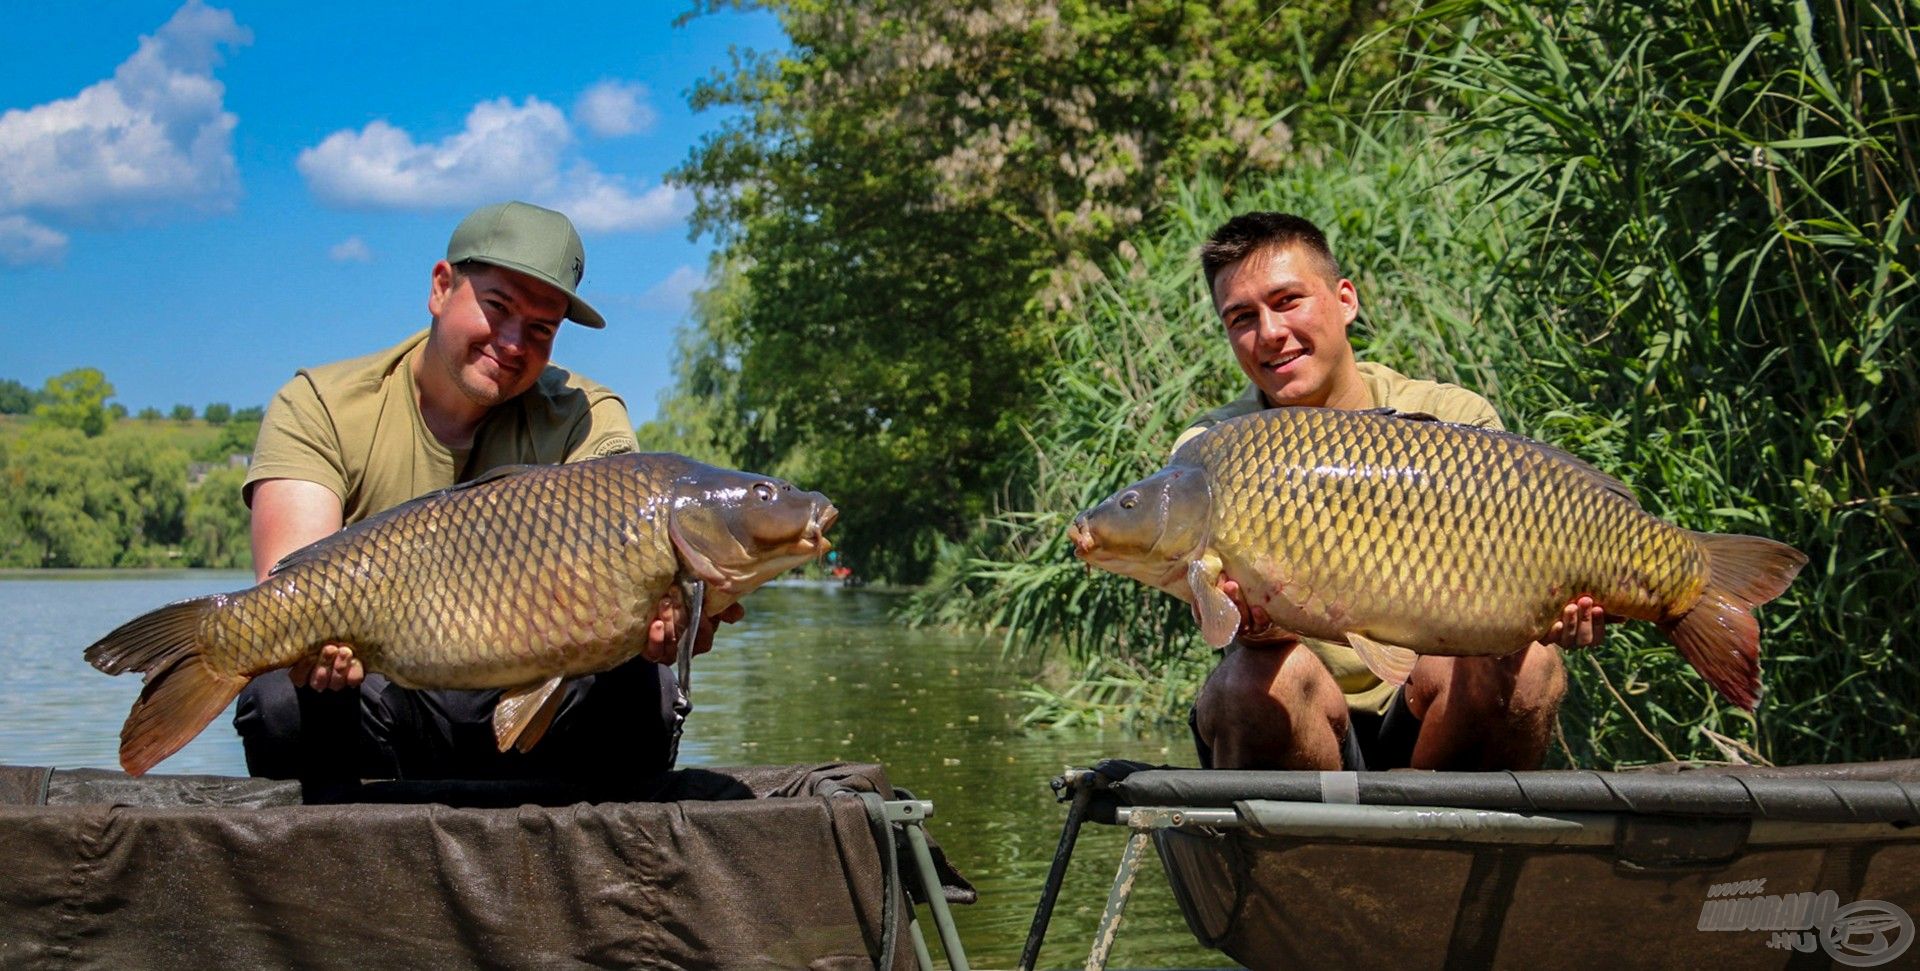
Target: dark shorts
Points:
(1373, 743)
(626, 720)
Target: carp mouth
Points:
(817, 530)
(1081, 537)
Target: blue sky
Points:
(198, 199)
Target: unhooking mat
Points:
(700, 868)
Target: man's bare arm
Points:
(289, 514)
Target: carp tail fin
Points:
(182, 694)
(1718, 635)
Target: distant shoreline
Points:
(103, 573)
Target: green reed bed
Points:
(1678, 240)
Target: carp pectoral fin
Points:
(695, 590)
(523, 714)
(1387, 662)
(1219, 618)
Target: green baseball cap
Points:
(528, 239)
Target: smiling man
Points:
(474, 391)
(1280, 701)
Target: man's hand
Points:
(1582, 624)
(670, 619)
(335, 668)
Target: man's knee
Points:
(1487, 712)
(267, 718)
(1267, 707)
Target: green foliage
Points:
(17, 398)
(123, 499)
(121, 496)
(1727, 223)
(181, 413)
(909, 192)
(217, 413)
(1675, 239)
(216, 522)
(235, 438)
(252, 413)
(76, 400)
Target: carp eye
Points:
(763, 492)
(1130, 500)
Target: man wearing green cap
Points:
(472, 392)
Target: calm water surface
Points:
(814, 674)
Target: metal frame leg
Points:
(1117, 899)
(909, 815)
(1050, 895)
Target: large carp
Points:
(518, 580)
(1402, 535)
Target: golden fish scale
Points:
(580, 556)
(1424, 533)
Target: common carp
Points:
(1403, 535)
(518, 580)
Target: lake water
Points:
(814, 674)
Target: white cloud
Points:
(600, 203)
(611, 109)
(353, 249)
(154, 135)
(503, 149)
(506, 150)
(675, 293)
(23, 241)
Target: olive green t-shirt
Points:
(1388, 389)
(355, 427)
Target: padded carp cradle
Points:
(780, 866)
(1661, 868)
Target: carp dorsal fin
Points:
(522, 714)
(324, 543)
(1397, 413)
(1387, 662)
(1606, 481)
(1219, 618)
(1610, 482)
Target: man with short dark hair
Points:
(472, 392)
(1280, 701)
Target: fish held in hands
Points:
(518, 580)
(1402, 535)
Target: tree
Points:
(909, 194)
(182, 413)
(16, 398)
(253, 413)
(77, 400)
(216, 521)
(149, 414)
(217, 413)
(65, 502)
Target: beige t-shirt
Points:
(355, 427)
(1388, 389)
